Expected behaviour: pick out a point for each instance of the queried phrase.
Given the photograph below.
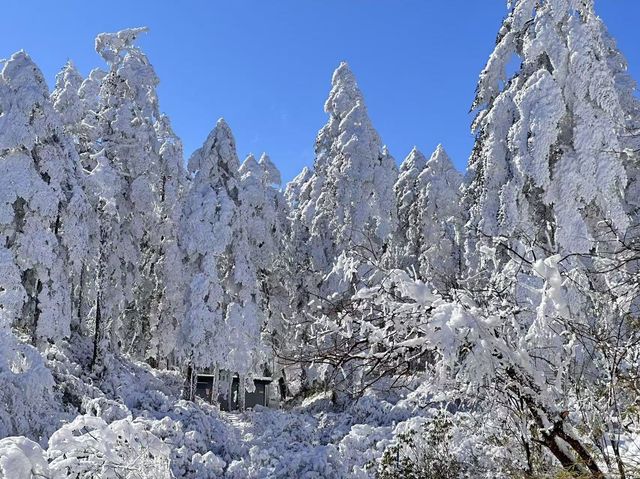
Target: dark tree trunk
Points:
(80, 297)
(36, 313)
(189, 392)
(97, 334)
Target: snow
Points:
(555, 125)
(349, 197)
(414, 321)
(20, 457)
(88, 446)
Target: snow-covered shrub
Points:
(28, 403)
(371, 409)
(423, 450)
(106, 409)
(88, 447)
(139, 386)
(22, 458)
(289, 444)
(300, 460)
(207, 465)
(196, 432)
(362, 447)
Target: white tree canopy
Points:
(548, 162)
(42, 207)
(349, 200)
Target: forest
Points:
(409, 320)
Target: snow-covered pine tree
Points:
(547, 175)
(626, 88)
(548, 162)
(296, 248)
(293, 189)
(77, 100)
(405, 249)
(349, 201)
(77, 115)
(267, 211)
(273, 277)
(111, 279)
(128, 152)
(260, 213)
(167, 308)
(345, 209)
(206, 232)
(223, 321)
(545, 193)
(43, 208)
(89, 129)
(66, 95)
(244, 318)
(439, 214)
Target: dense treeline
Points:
(507, 296)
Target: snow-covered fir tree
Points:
(43, 206)
(77, 100)
(267, 212)
(346, 208)
(76, 116)
(349, 201)
(208, 213)
(545, 193)
(548, 161)
(89, 128)
(428, 239)
(128, 150)
(223, 322)
(440, 221)
(297, 256)
(167, 308)
(294, 187)
(66, 95)
(405, 250)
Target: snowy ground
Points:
(133, 424)
(135, 421)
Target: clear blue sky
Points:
(265, 65)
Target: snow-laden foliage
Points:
(89, 447)
(428, 239)
(42, 207)
(222, 323)
(21, 457)
(265, 208)
(349, 200)
(549, 160)
(478, 353)
(28, 402)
